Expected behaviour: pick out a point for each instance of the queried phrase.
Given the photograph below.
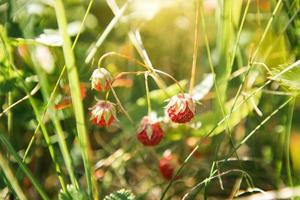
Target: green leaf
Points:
(120, 195)
(72, 194)
(209, 119)
(159, 95)
(289, 79)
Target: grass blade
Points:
(10, 176)
(75, 95)
(11, 150)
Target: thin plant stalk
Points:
(288, 68)
(11, 177)
(38, 117)
(136, 40)
(147, 94)
(216, 85)
(178, 172)
(6, 110)
(57, 82)
(195, 51)
(248, 136)
(225, 38)
(288, 127)
(21, 164)
(43, 80)
(105, 33)
(112, 53)
(266, 119)
(151, 69)
(266, 30)
(76, 99)
(119, 103)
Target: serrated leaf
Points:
(289, 79)
(120, 195)
(72, 193)
(209, 119)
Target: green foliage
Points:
(72, 194)
(243, 107)
(120, 195)
(234, 36)
(290, 79)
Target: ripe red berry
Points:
(150, 133)
(181, 108)
(167, 165)
(101, 79)
(103, 113)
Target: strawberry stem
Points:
(171, 77)
(119, 103)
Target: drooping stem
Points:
(119, 103)
(160, 83)
(171, 77)
(127, 73)
(104, 56)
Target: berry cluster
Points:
(180, 109)
(103, 113)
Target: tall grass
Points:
(76, 99)
(226, 51)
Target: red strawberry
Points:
(150, 133)
(167, 165)
(101, 79)
(103, 113)
(181, 108)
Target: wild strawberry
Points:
(101, 79)
(103, 113)
(150, 133)
(167, 165)
(181, 108)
